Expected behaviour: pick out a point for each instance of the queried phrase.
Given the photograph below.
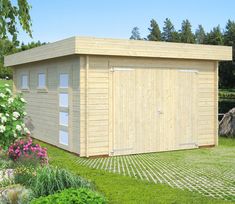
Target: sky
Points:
(54, 20)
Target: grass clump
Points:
(49, 180)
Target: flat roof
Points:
(120, 47)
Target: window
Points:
(24, 82)
(64, 80)
(41, 81)
(64, 100)
(64, 118)
(63, 137)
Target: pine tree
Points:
(229, 34)
(227, 69)
(215, 37)
(155, 33)
(186, 35)
(169, 34)
(135, 34)
(200, 35)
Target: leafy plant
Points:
(78, 196)
(47, 180)
(28, 153)
(15, 194)
(12, 113)
(23, 174)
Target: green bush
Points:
(11, 117)
(48, 180)
(69, 196)
(23, 174)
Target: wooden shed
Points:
(95, 96)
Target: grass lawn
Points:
(3, 82)
(227, 93)
(124, 189)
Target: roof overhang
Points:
(120, 47)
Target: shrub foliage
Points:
(68, 196)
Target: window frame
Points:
(38, 81)
(27, 81)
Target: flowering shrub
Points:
(12, 113)
(28, 152)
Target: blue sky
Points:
(58, 19)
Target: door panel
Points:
(186, 113)
(124, 111)
(154, 110)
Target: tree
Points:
(155, 33)
(229, 34)
(10, 15)
(135, 34)
(186, 35)
(227, 69)
(215, 37)
(200, 35)
(169, 34)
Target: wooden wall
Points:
(43, 105)
(96, 117)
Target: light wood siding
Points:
(96, 106)
(120, 47)
(43, 105)
(100, 99)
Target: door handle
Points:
(160, 112)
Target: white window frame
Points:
(22, 81)
(61, 77)
(64, 119)
(61, 100)
(42, 86)
(62, 140)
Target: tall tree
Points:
(10, 16)
(186, 34)
(215, 37)
(227, 69)
(229, 34)
(169, 33)
(155, 33)
(200, 35)
(135, 34)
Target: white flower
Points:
(6, 85)
(18, 127)
(8, 90)
(16, 114)
(3, 119)
(2, 128)
(10, 100)
(22, 99)
(14, 118)
(2, 95)
(7, 114)
(26, 130)
(15, 135)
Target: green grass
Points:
(123, 189)
(3, 82)
(227, 93)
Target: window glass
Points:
(63, 137)
(64, 100)
(64, 80)
(41, 80)
(64, 118)
(24, 82)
